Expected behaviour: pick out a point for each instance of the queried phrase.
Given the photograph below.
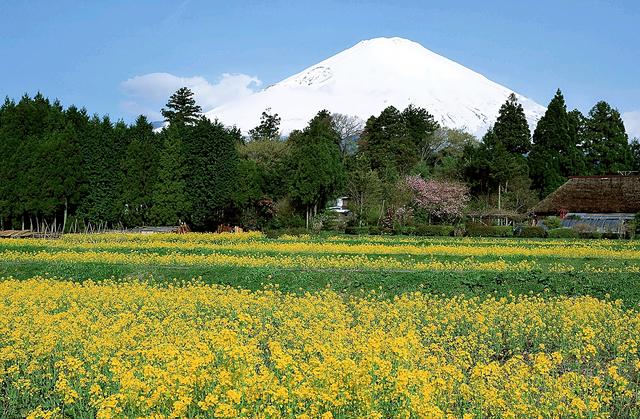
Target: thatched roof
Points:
(594, 194)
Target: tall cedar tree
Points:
(212, 159)
(635, 153)
(491, 165)
(181, 109)
(317, 171)
(139, 171)
(36, 148)
(171, 203)
(606, 141)
(511, 127)
(499, 161)
(102, 147)
(555, 154)
(269, 128)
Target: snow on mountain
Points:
(372, 75)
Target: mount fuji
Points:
(374, 74)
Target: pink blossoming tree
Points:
(440, 199)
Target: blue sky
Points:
(104, 55)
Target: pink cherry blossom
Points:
(439, 198)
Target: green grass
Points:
(624, 286)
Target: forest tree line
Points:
(67, 167)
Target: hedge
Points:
(356, 230)
(532, 232)
(434, 230)
(375, 230)
(481, 230)
(563, 233)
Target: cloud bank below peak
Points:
(146, 94)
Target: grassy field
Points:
(204, 325)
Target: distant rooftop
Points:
(594, 194)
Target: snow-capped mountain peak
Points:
(372, 75)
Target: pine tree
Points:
(269, 128)
(555, 154)
(606, 141)
(511, 127)
(181, 109)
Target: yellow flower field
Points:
(255, 243)
(128, 348)
(253, 250)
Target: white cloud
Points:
(148, 93)
(632, 123)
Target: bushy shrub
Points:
(562, 233)
(594, 235)
(374, 230)
(532, 232)
(334, 221)
(290, 231)
(353, 230)
(552, 222)
(609, 235)
(481, 230)
(586, 231)
(286, 216)
(405, 230)
(434, 230)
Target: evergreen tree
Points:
(56, 174)
(269, 128)
(498, 164)
(212, 176)
(270, 158)
(102, 148)
(170, 199)
(421, 127)
(395, 142)
(8, 171)
(491, 165)
(555, 154)
(139, 169)
(364, 189)
(317, 171)
(635, 153)
(606, 141)
(511, 127)
(181, 109)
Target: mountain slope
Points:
(372, 75)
